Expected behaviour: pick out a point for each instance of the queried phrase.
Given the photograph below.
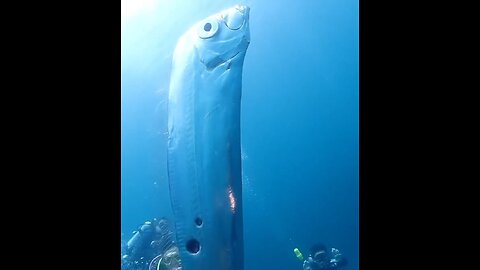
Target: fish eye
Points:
(208, 28)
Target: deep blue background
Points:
(299, 122)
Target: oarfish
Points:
(204, 156)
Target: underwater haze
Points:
(299, 122)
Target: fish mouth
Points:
(236, 17)
(242, 8)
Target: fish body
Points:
(204, 154)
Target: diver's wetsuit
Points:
(330, 261)
(312, 265)
(147, 243)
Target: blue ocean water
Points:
(299, 122)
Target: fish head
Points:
(223, 38)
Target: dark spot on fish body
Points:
(193, 246)
(198, 222)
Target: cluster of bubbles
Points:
(170, 260)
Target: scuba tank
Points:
(298, 254)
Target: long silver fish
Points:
(204, 156)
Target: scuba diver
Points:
(152, 247)
(321, 258)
